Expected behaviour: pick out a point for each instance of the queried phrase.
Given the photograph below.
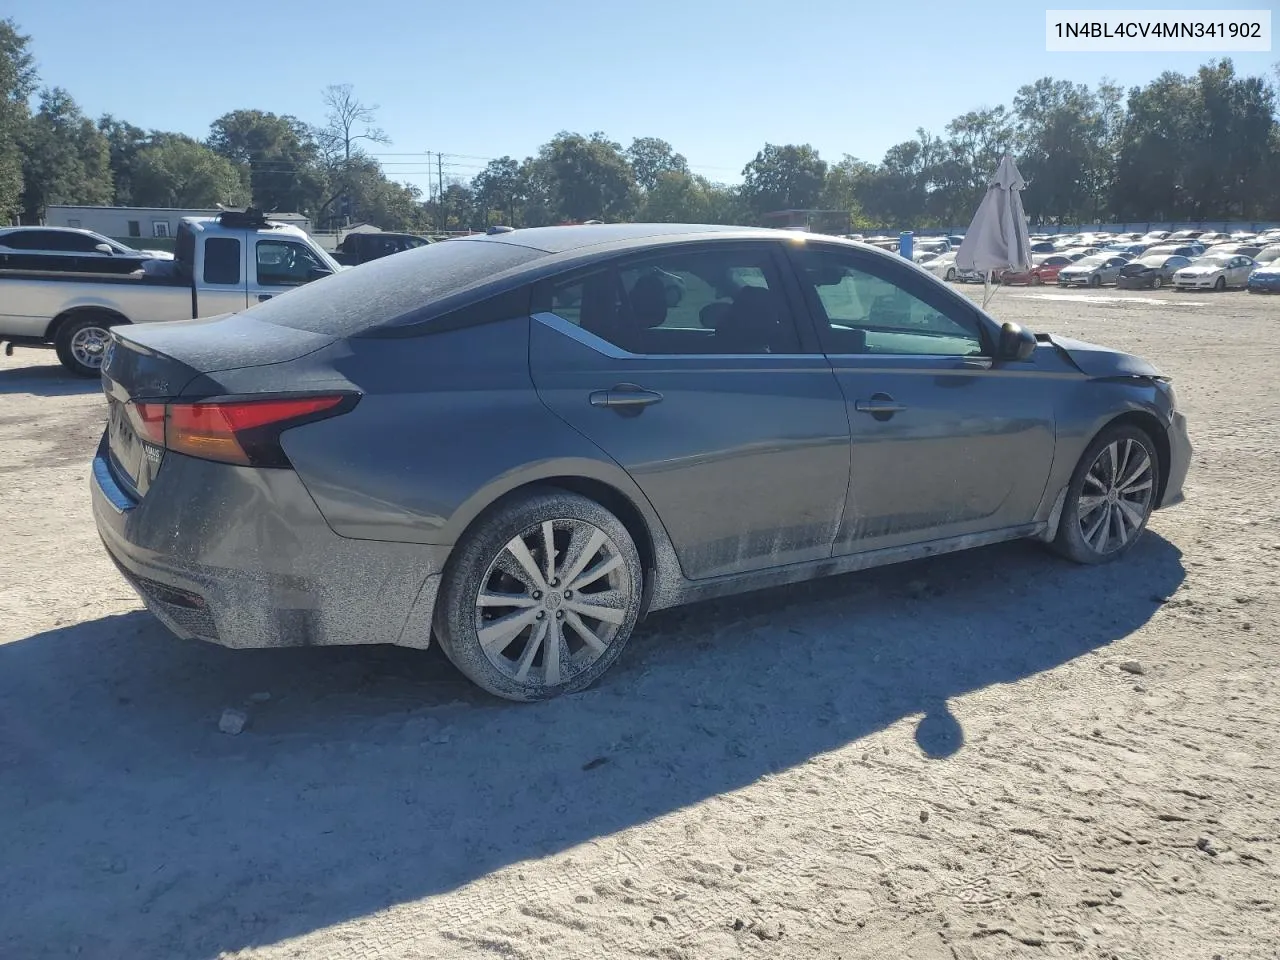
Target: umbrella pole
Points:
(986, 290)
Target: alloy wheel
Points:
(552, 602)
(1116, 496)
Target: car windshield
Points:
(1268, 254)
(1216, 261)
(1153, 261)
(1094, 261)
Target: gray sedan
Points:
(519, 444)
(1093, 271)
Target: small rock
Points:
(738, 923)
(768, 930)
(661, 918)
(738, 868)
(1117, 892)
(1246, 626)
(1134, 667)
(1208, 845)
(261, 697)
(597, 762)
(1139, 688)
(1097, 732)
(582, 898)
(232, 721)
(924, 816)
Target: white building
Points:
(138, 223)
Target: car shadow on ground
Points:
(52, 380)
(376, 776)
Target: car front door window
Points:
(860, 309)
(282, 263)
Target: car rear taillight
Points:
(243, 432)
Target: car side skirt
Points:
(671, 595)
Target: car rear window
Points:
(382, 292)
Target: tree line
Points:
(1198, 147)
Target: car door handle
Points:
(264, 296)
(879, 404)
(626, 398)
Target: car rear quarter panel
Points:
(447, 424)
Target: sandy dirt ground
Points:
(993, 754)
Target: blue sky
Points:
(717, 78)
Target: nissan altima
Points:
(518, 445)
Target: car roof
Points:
(577, 236)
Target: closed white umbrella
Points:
(997, 237)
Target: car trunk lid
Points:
(148, 364)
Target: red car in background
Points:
(1044, 270)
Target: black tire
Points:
(1157, 283)
(1095, 281)
(951, 275)
(1220, 284)
(477, 564)
(1071, 541)
(65, 344)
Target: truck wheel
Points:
(81, 343)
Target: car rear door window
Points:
(222, 260)
(863, 306)
(729, 301)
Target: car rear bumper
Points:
(243, 558)
(1179, 461)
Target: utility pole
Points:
(440, 173)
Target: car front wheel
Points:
(1157, 283)
(1220, 284)
(1110, 497)
(540, 596)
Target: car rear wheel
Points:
(540, 596)
(81, 344)
(1110, 497)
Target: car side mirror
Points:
(1016, 343)
(104, 248)
(317, 273)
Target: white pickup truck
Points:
(221, 264)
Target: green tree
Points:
(277, 157)
(17, 83)
(651, 157)
(788, 177)
(65, 158)
(501, 190)
(179, 172)
(676, 197)
(1061, 135)
(846, 187)
(588, 178)
(124, 143)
